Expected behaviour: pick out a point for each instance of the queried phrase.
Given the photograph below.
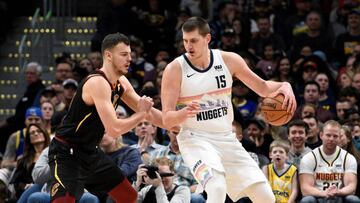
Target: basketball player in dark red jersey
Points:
(75, 160)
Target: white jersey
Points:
(211, 88)
(328, 170)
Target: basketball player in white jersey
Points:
(328, 173)
(196, 94)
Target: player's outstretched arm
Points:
(170, 92)
(131, 98)
(240, 70)
(96, 91)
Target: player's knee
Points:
(261, 192)
(217, 184)
(269, 197)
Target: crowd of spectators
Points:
(314, 45)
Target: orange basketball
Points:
(272, 111)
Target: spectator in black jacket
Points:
(34, 87)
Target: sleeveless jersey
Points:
(211, 88)
(81, 126)
(329, 172)
(281, 183)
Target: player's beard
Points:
(119, 70)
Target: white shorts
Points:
(203, 152)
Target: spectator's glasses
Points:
(163, 175)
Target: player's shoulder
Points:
(310, 156)
(174, 67)
(95, 79)
(174, 64)
(229, 55)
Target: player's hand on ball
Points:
(289, 100)
(145, 103)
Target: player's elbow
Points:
(305, 191)
(167, 123)
(112, 131)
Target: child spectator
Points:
(281, 175)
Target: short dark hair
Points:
(310, 116)
(312, 82)
(349, 91)
(111, 40)
(298, 122)
(194, 23)
(342, 100)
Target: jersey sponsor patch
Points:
(202, 173)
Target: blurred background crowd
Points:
(312, 44)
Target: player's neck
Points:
(328, 152)
(203, 61)
(298, 149)
(110, 74)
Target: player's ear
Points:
(108, 55)
(208, 37)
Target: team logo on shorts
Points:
(202, 173)
(54, 189)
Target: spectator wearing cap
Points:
(16, 144)
(346, 42)
(227, 40)
(47, 94)
(310, 70)
(33, 72)
(265, 36)
(315, 38)
(69, 87)
(256, 132)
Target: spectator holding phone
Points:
(159, 183)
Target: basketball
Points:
(272, 111)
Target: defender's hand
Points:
(145, 103)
